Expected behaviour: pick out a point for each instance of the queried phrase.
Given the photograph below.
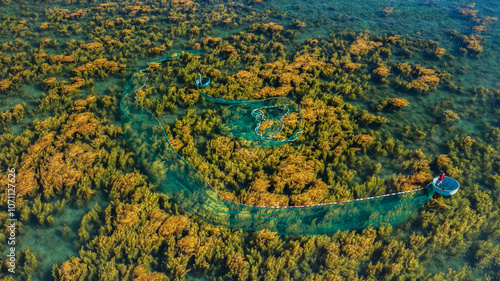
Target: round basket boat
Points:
(205, 81)
(449, 186)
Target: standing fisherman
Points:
(441, 178)
(198, 81)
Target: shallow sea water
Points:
(50, 244)
(430, 19)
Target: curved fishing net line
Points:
(258, 122)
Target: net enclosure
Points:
(260, 122)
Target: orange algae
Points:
(439, 52)
(92, 46)
(44, 26)
(98, 64)
(173, 225)
(299, 24)
(72, 268)
(4, 84)
(62, 58)
(269, 28)
(265, 199)
(387, 11)
(363, 140)
(274, 92)
(184, 3)
(346, 249)
(294, 173)
(443, 160)
(314, 195)
(362, 46)
(382, 71)
(238, 266)
(45, 41)
(399, 102)
(351, 66)
(141, 273)
(415, 181)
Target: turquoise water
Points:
(57, 243)
(427, 20)
(54, 243)
(433, 20)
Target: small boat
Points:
(448, 187)
(202, 82)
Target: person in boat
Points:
(440, 180)
(199, 80)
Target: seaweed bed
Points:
(382, 113)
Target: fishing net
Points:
(260, 122)
(271, 121)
